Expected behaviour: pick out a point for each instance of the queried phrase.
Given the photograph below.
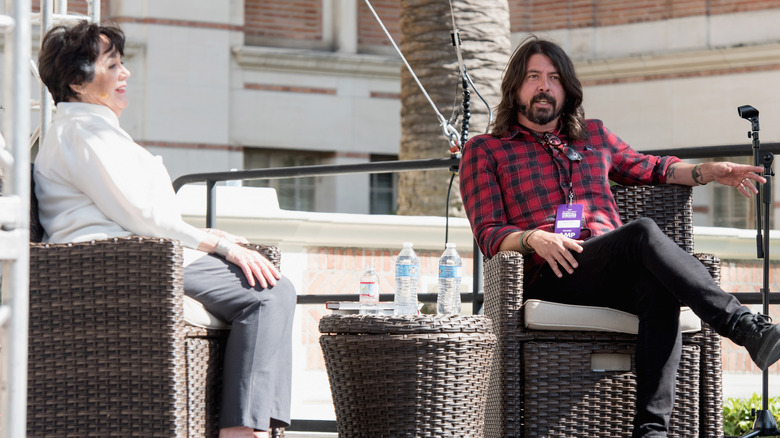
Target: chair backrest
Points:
(36, 230)
(669, 205)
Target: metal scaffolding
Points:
(15, 219)
(15, 203)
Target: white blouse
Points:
(94, 182)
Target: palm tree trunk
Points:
(425, 41)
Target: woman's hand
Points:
(254, 265)
(556, 249)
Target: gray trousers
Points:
(258, 357)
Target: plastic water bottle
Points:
(369, 292)
(407, 271)
(450, 274)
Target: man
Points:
(539, 184)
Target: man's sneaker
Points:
(760, 337)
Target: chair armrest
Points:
(503, 285)
(106, 339)
(271, 252)
(711, 381)
(712, 263)
(503, 289)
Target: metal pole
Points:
(211, 203)
(16, 291)
(47, 9)
(477, 282)
(93, 10)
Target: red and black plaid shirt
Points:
(513, 183)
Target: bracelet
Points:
(523, 249)
(223, 247)
(695, 178)
(528, 236)
(524, 238)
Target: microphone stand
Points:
(765, 424)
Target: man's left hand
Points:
(740, 176)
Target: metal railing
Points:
(15, 225)
(475, 296)
(212, 178)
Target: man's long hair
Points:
(572, 116)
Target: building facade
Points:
(242, 84)
(238, 84)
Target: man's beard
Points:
(541, 116)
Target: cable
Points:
(490, 111)
(447, 212)
(447, 129)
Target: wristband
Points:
(524, 239)
(695, 178)
(223, 247)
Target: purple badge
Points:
(568, 220)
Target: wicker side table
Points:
(421, 376)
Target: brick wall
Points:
(77, 7)
(302, 19)
(369, 30)
(541, 15)
(338, 270)
(291, 19)
(747, 276)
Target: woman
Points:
(94, 182)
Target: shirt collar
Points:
(73, 109)
(518, 130)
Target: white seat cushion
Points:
(548, 315)
(197, 315)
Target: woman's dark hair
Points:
(68, 56)
(572, 115)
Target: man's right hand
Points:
(556, 249)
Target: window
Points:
(293, 193)
(384, 188)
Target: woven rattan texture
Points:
(205, 351)
(110, 354)
(414, 377)
(511, 387)
(106, 341)
(401, 325)
(670, 206)
(566, 398)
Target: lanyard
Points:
(570, 175)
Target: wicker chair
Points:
(110, 354)
(542, 383)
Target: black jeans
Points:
(638, 269)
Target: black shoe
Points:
(760, 337)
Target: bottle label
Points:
(406, 270)
(450, 271)
(369, 289)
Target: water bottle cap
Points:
(407, 244)
(450, 245)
